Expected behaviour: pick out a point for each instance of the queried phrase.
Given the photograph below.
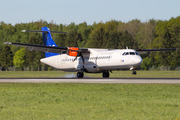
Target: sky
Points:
(89, 11)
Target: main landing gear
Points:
(105, 74)
(80, 74)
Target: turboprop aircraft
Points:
(88, 60)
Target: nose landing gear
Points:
(133, 70)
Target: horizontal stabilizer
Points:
(38, 31)
(58, 32)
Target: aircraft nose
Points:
(138, 61)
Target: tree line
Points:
(111, 34)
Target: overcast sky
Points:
(89, 11)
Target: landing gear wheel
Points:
(80, 74)
(133, 72)
(105, 74)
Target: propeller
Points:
(80, 52)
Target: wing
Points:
(42, 48)
(71, 50)
(147, 51)
(52, 49)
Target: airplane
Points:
(89, 60)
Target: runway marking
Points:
(91, 80)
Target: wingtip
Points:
(7, 43)
(23, 31)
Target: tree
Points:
(33, 57)
(84, 30)
(146, 34)
(147, 63)
(97, 36)
(19, 58)
(72, 38)
(168, 36)
(125, 40)
(6, 57)
(132, 27)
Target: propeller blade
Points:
(80, 52)
(77, 44)
(82, 58)
(75, 57)
(83, 44)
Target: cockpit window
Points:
(136, 53)
(132, 53)
(126, 53)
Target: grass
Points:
(124, 74)
(55, 101)
(65, 101)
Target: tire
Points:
(105, 74)
(80, 74)
(134, 73)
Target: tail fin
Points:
(48, 41)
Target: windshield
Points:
(130, 53)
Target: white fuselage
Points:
(97, 61)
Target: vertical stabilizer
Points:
(48, 41)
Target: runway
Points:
(93, 80)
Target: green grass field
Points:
(66, 101)
(60, 101)
(124, 74)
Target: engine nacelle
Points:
(73, 51)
